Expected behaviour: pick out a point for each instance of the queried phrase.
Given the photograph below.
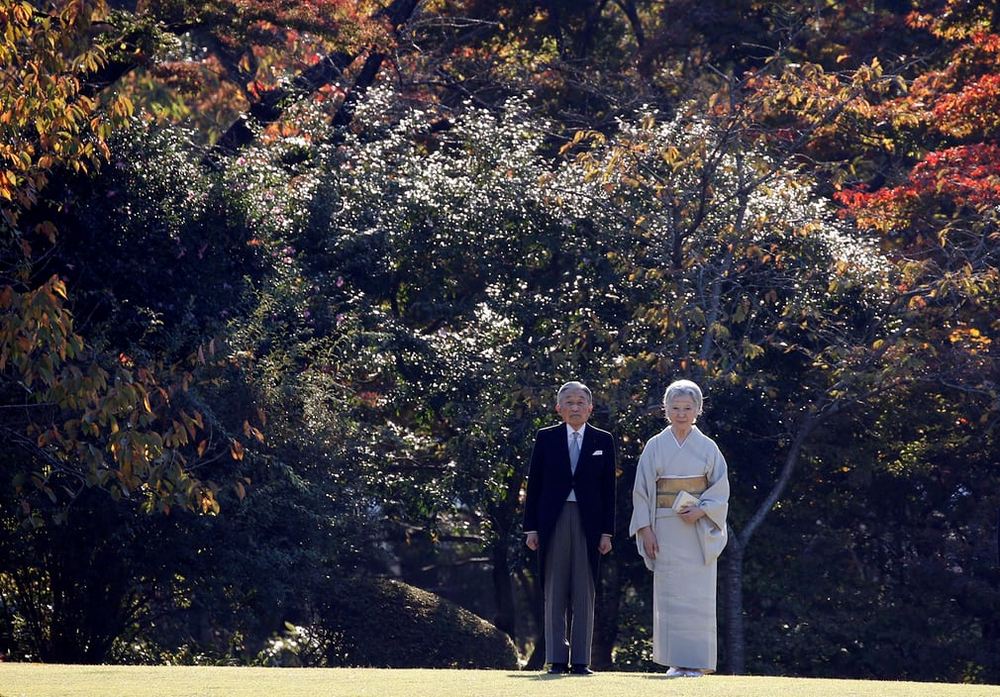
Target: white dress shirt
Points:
(569, 446)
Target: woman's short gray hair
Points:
(574, 385)
(683, 388)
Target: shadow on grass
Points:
(546, 677)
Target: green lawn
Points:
(33, 680)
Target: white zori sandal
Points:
(684, 673)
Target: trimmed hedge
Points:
(386, 623)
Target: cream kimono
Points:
(684, 571)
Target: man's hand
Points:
(531, 539)
(604, 546)
(649, 543)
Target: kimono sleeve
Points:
(643, 493)
(715, 499)
(712, 532)
(644, 500)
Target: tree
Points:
(931, 216)
(745, 280)
(80, 417)
(235, 67)
(361, 301)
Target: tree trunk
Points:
(536, 661)
(736, 549)
(605, 616)
(628, 7)
(502, 514)
(732, 602)
(506, 618)
(270, 107)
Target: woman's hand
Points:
(649, 543)
(691, 514)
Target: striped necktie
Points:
(574, 451)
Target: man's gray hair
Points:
(683, 388)
(574, 385)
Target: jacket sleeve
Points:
(608, 485)
(534, 487)
(643, 493)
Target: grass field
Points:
(33, 680)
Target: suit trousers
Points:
(569, 588)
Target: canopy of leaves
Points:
(317, 269)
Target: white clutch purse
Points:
(684, 500)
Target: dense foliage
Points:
(285, 290)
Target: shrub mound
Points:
(386, 623)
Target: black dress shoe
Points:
(558, 669)
(581, 669)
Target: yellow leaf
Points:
(208, 502)
(59, 288)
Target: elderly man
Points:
(569, 517)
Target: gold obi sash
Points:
(667, 489)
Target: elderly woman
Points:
(680, 500)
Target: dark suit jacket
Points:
(550, 479)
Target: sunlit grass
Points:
(32, 680)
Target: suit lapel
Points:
(586, 447)
(564, 451)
